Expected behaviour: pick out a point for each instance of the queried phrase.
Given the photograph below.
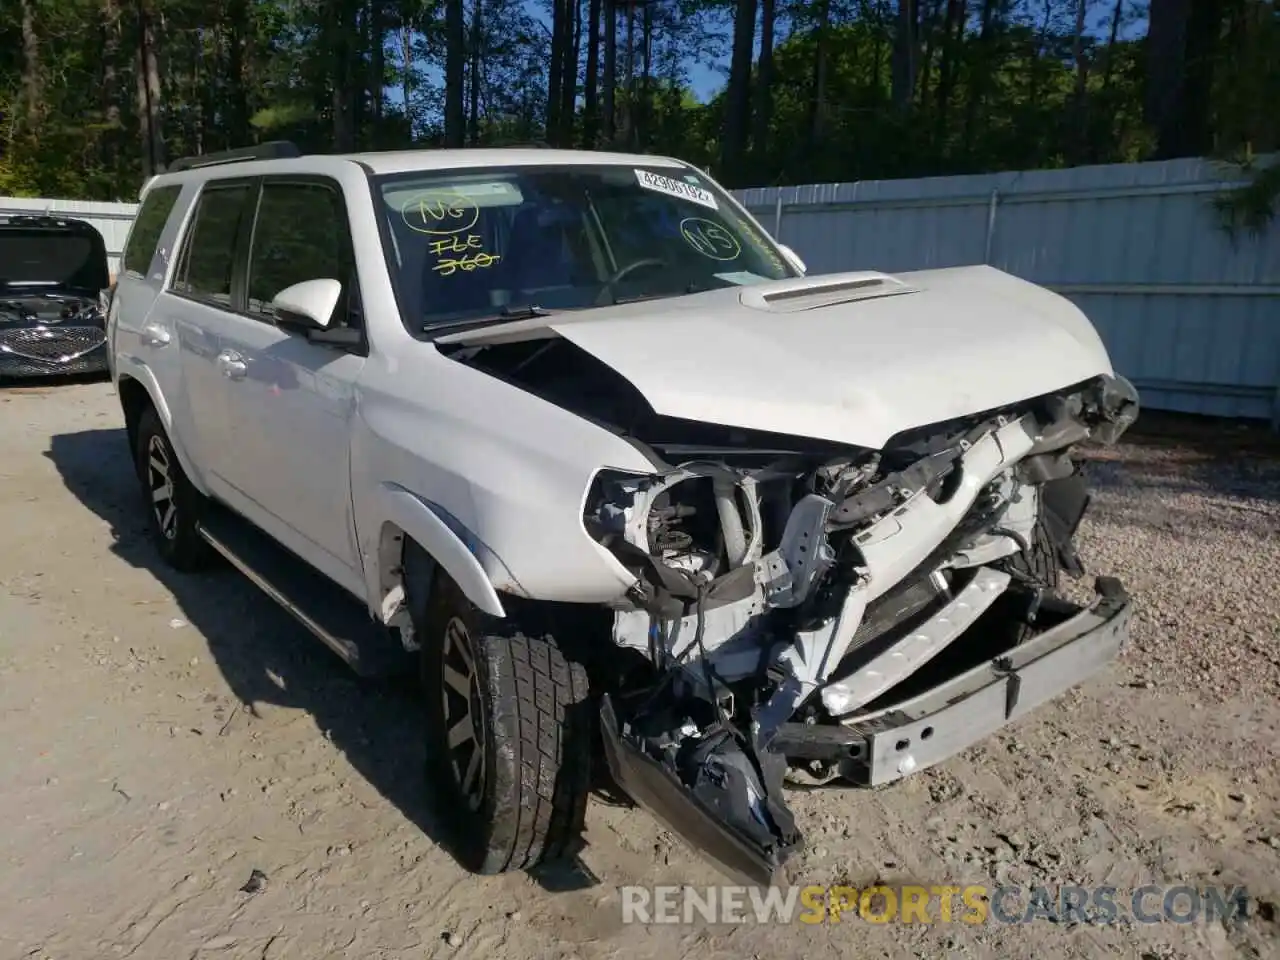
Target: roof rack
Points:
(271, 150)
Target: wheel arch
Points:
(137, 391)
(408, 521)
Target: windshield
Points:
(471, 244)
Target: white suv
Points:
(573, 429)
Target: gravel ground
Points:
(165, 737)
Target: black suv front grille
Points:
(30, 351)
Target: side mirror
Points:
(792, 257)
(310, 303)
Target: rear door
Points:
(198, 306)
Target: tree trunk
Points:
(555, 71)
(32, 89)
(377, 65)
(947, 73)
(624, 121)
(930, 31)
(1111, 45)
(476, 62)
(1192, 135)
(569, 73)
(737, 98)
(148, 83)
(904, 54)
(644, 100)
(455, 63)
(406, 73)
(1077, 139)
(342, 93)
(1165, 73)
(590, 105)
(238, 108)
(981, 79)
(818, 86)
(610, 71)
(110, 82)
(764, 90)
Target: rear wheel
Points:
(173, 505)
(508, 736)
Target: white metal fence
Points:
(111, 219)
(1191, 316)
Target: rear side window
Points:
(208, 257)
(148, 224)
(300, 234)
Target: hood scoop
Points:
(810, 293)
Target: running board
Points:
(321, 606)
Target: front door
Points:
(290, 401)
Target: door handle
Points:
(154, 335)
(232, 365)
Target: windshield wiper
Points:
(527, 311)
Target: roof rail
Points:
(271, 150)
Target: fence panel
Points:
(1190, 315)
(111, 219)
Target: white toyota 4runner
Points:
(574, 430)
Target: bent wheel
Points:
(508, 736)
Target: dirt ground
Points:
(163, 737)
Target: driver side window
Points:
(301, 233)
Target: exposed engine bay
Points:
(794, 596)
(41, 308)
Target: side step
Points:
(315, 601)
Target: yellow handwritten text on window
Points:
(447, 266)
(440, 213)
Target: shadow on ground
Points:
(377, 726)
(253, 641)
(54, 382)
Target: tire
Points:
(1040, 565)
(526, 719)
(173, 505)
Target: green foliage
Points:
(1251, 207)
(998, 84)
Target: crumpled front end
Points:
(857, 616)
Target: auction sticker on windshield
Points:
(676, 188)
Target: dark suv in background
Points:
(53, 284)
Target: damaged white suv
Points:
(572, 428)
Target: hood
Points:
(852, 358)
(51, 253)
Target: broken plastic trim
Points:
(655, 787)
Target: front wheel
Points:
(508, 736)
(172, 503)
